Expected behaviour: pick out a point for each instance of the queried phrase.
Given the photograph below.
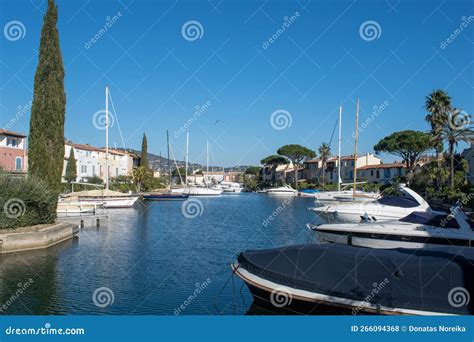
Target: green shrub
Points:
(25, 202)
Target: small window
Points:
(18, 164)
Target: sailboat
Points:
(344, 194)
(197, 190)
(106, 197)
(167, 196)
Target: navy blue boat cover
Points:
(418, 279)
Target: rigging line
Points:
(116, 119)
(333, 130)
(176, 164)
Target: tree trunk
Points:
(451, 156)
(296, 177)
(324, 181)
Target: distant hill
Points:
(156, 163)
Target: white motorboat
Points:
(282, 191)
(345, 196)
(108, 198)
(383, 209)
(417, 230)
(231, 187)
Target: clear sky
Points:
(319, 56)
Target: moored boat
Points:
(108, 198)
(282, 191)
(362, 280)
(165, 197)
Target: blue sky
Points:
(321, 59)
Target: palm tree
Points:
(453, 134)
(273, 162)
(140, 175)
(324, 153)
(438, 106)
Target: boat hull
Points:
(166, 197)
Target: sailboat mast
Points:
(169, 166)
(339, 180)
(187, 158)
(207, 160)
(106, 137)
(355, 147)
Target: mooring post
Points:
(97, 222)
(82, 223)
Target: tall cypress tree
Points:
(46, 145)
(71, 168)
(144, 156)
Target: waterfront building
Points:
(90, 161)
(313, 167)
(13, 152)
(381, 173)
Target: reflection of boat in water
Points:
(383, 209)
(417, 230)
(359, 279)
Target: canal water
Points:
(159, 258)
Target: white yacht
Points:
(68, 208)
(197, 191)
(231, 187)
(383, 209)
(282, 191)
(417, 230)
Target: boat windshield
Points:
(395, 201)
(437, 220)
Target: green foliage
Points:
(144, 153)
(273, 162)
(140, 177)
(296, 154)
(182, 172)
(71, 168)
(46, 138)
(26, 202)
(409, 145)
(253, 170)
(94, 180)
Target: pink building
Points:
(13, 155)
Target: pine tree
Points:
(144, 156)
(71, 168)
(46, 145)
